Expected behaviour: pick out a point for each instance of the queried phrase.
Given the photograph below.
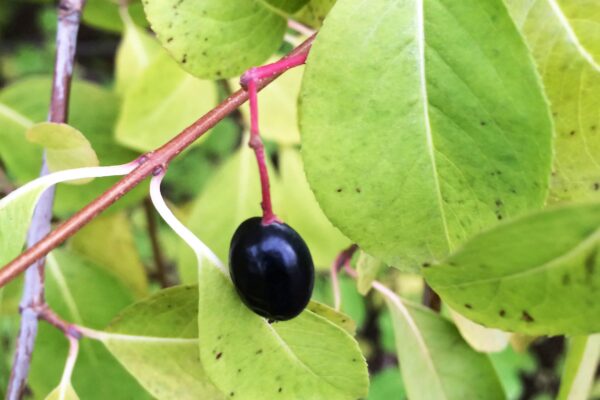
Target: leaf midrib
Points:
(555, 262)
(420, 25)
(570, 32)
(15, 116)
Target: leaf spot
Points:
(525, 316)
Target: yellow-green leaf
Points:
(66, 147)
(160, 103)
(563, 36)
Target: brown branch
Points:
(69, 14)
(153, 162)
(159, 259)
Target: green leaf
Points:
(63, 392)
(66, 147)
(529, 275)
(230, 197)
(435, 362)
(278, 121)
(580, 368)
(108, 242)
(156, 340)
(314, 13)
(386, 385)
(134, 55)
(367, 268)
(564, 39)
(160, 103)
(287, 6)
(340, 319)
(104, 14)
(82, 293)
(92, 110)
(15, 215)
(423, 122)
(511, 366)
(246, 357)
(216, 38)
(302, 212)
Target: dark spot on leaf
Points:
(593, 127)
(343, 320)
(354, 360)
(184, 58)
(499, 216)
(169, 40)
(499, 203)
(232, 394)
(572, 133)
(339, 190)
(219, 337)
(596, 186)
(259, 351)
(467, 305)
(239, 370)
(219, 355)
(426, 265)
(279, 390)
(566, 279)
(358, 190)
(482, 123)
(502, 313)
(525, 316)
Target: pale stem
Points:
(201, 250)
(300, 28)
(335, 287)
(71, 175)
(69, 366)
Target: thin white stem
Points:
(69, 366)
(71, 175)
(291, 39)
(91, 333)
(300, 28)
(202, 251)
(106, 336)
(335, 287)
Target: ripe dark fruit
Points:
(271, 268)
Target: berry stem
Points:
(249, 82)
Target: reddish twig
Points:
(249, 81)
(152, 162)
(69, 14)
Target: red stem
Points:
(148, 164)
(249, 81)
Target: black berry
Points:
(271, 268)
